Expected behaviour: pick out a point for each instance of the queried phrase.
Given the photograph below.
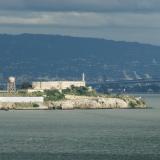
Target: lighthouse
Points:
(83, 77)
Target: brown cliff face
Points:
(78, 102)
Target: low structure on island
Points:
(21, 99)
(59, 85)
(56, 85)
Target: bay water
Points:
(129, 134)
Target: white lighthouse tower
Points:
(83, 77)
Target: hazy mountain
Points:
(36, 56)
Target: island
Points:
(82, 97)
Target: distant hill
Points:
(35, 56)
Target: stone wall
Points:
(21, 99)
(57, 85)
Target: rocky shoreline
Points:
(80, 102)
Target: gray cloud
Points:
(82, 5)
(81, 19)
(130, 20)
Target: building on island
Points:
(59, 85)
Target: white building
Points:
(60, 85)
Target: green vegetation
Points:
(80, 91)
(56, 95)
(37, 94)
(35, 105)
(25, 105)
(132, 104)
(22, 93)
(53, 95)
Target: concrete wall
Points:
(33, 90)
(22, 99)
(57, 85)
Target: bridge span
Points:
(140, 81)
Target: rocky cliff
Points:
(82, 102)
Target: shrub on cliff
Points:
(37, 94)
(22, 93)
(80, 91)
(54, 95)
(132, 104)
(35, 105)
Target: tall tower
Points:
(83, 77)
(11, 86)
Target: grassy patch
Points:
(80, 91)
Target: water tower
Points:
(11, 86)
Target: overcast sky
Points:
(129, 20)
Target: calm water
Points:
(82, 134)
